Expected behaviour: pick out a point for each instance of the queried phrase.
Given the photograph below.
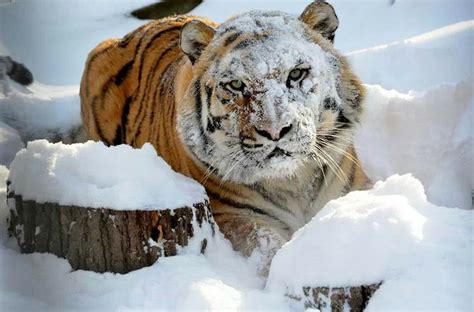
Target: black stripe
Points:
(342, 121)
(88, 65)
(350, 179)
(142, 61)
(147, 88)
(128, 37)
(125, 112)
(215, 123)
(228, 29)
(94, 105)
(107, 85)
(235, 204)
(198, 102)
(161, 90)
(100, 133)
(330, 104)
(232, 38)
(330, 136)
(143, 55)
(118, 136)
(208, 97)
(244, 44)
(319, 180)
(251, 41)
(122, 73)
(258, 188)
(211, 128)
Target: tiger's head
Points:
(269, 93)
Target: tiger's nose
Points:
(273, 133)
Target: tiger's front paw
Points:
(267, 243)
(255, 239)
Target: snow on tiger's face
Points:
(265, 97)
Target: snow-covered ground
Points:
(419, 45)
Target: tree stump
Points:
(106, 240)
(339, 299)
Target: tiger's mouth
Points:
(278, 152)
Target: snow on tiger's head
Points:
(269, 93)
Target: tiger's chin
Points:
(277, 165)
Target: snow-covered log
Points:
(103, 209)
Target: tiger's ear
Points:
(195, 36)
(321, 17)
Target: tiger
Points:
(260, 109)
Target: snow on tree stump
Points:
(56, 205)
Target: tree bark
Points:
(339, 299)
(105, 240)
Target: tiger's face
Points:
(266, 91)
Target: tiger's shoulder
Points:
(122, 71)
(113, 59)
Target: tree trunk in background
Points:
(165, 8)
(105, 240)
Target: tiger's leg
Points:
(254, 238)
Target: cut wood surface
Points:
(106, 240)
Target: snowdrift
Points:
(428, 134)
(41, 111)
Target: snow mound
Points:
(390, 233)
(428, 134)
(41, 111)
(421, 62)
(94, 175)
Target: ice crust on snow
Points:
(94, 175)
(390, 233)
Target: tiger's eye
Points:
(236, 85)
(295, 74)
